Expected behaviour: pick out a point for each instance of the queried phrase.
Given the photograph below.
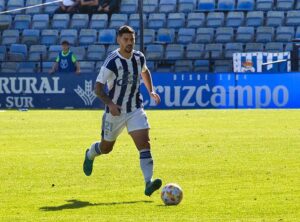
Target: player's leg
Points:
(111, 129)
(138, 129)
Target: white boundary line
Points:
(32, 6)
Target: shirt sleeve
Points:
(104, 75)
(74, 58)
(57, 59)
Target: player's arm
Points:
(146, 75)
(100, 92)
(102, 78)
(54, 68)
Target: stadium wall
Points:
(178, 91)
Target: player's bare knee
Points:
(106, 147)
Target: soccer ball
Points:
(171, 194)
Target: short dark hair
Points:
(125, 29)
(65, 42)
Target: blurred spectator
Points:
(68, 6)
(108, 6)
(65, 61)
(88, 6)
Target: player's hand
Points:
(156, 97)
(114, 109)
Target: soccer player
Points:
(121, 72)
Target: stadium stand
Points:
(194, 31)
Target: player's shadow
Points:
(75, 204)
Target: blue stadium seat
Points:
(284, 34)
(285, 5)
(288, 47)
(149, 36)
(156, 20)
(50, 8)
(176, 20)
(17, 52)
(28, 67)
(53, 52)
(165, 35)
(297, 6)
(274, 47)
(204, 35)
(79, 21)
(154, 52)
(293, 18)
(96, 52)
(275, 18)
(47, 66)
(224, 34)
(167, 6)
(264, 34)
(99, 21)
(194, 51)
(9, 67)
(151, 65)
(186, 5)
(162, 67)
(264, 5)
(226, 5)
(87, 66)
(186, 35)
(2, 53)
(134, 21)
(36, 51)
(245, 34)
(235, 19)
(201, 66)
(70, 35)
(254, 47)
(15, 4)
(221, 66)
(107, 36)
(30, 36)
(2, 5)
(183, 66)
(150, 6)
(231, 48)
(255, 18)
(206, 5)
(245, 5)
(22, 22)
(111, 48)
(60, 21)
(10, 36)
(79, 52)
(35, 10)
(87, 36)
(40, 21)
(98, 66)
(215, 19)
(174, 51)
(195, 20)
(5, 20)
(297, 36)
(128, 6)
(213, 51)
(49, 37)
(118, 20)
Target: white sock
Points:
(146, 163)
(94, 151)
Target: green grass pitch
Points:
(233, 165)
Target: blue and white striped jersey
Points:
(122, 77)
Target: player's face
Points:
(65, 47)
(126, 42)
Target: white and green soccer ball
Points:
(171, 194)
